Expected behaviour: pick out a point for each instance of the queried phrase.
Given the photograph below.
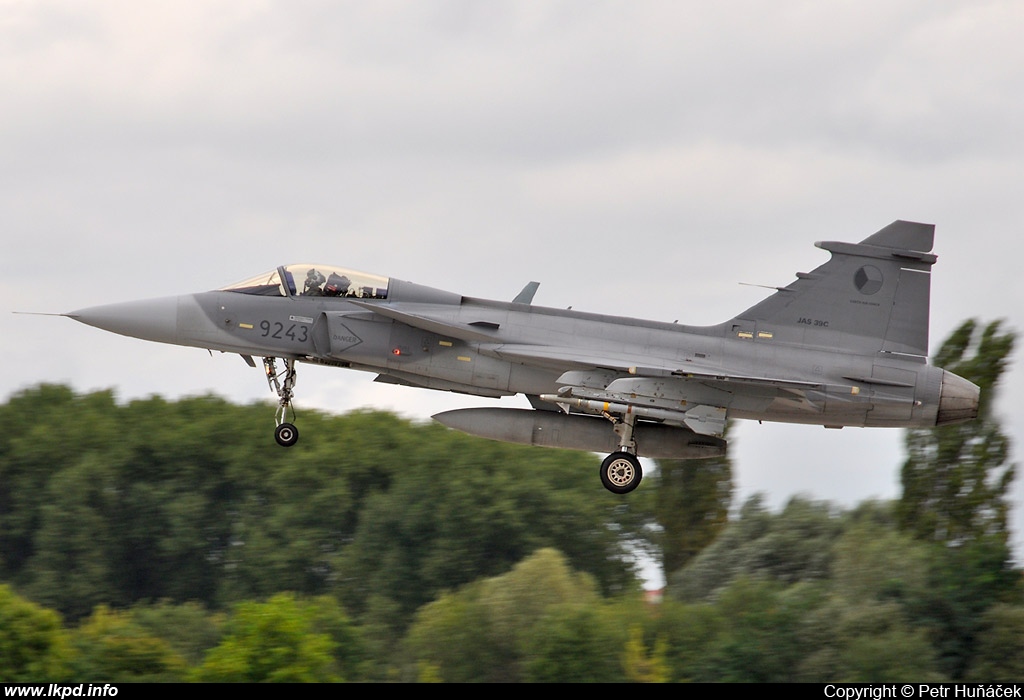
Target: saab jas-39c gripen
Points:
(843, 345)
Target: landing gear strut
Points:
(620, 471)
(286, 433)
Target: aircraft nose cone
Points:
(958, 400)
(151, 319)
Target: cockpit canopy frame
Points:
(309, 280)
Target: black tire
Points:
(621, 472)
(286, 435)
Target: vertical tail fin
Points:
(872, 296)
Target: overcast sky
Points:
(636, 158)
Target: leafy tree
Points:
(351, 655)
(33, 644)
(489, 629)
(284, 640)
(460, 508)
(963, 583)
(865, 630)
(450, 639)
(874, 562)
(517, 600)
(187, 627)
(787, 547)
(760, 637)
(584, 644)
(956, 477)
(102, 502)
(71, 569)
(112, 648)
(295, 515)
(1000, 647)
(955, 484)
(865, 642)
(688, 631)
(47, 429)
(691, 506)
(641, 666)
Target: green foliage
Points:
(102, 503)
(865, 642)
(875, 562)
(351, 656)
(33, 644)
(963, 583)
(955, 484)
(489, 630)
(807, 594)
(687, 632)
(582, 644)
(760, 640)
(451, 639)
(48, 428)
(956, 477)
(460, 508)
(791, 546)
(111, 647)
(1000, 648)
(127, 502)
(295, 515)
(285, 640)
(188, 628)
(517, 600)
(691, 507)
(642, 666)
(110, 504)
(72, 567)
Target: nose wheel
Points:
(620, 471)
(283, 384)
(286, 434)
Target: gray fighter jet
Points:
(845, 344)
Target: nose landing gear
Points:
(286, 434)
(621, 471)
(283, 384)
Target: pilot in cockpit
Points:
(337, 286)
(314, 283)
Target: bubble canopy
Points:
(311, 280)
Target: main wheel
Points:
(621, 472)
(286, 435)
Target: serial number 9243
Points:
(296, 332)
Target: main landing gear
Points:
(283, 384)
(620, 471)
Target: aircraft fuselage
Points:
(886, 391)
